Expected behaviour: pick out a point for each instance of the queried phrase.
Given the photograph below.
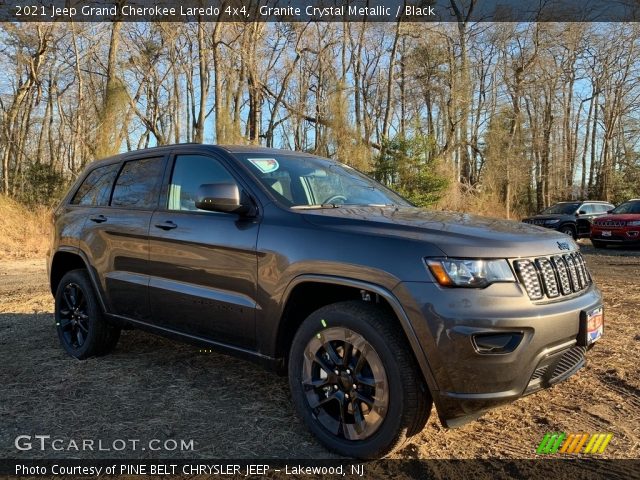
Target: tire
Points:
(82, 329)
(331, 406)
(597, 244)
(569, 230)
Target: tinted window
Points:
(628, 207)
(604, 208)
(138, 184)
(96, 188)
(189, 172)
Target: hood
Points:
(549, 216)
(621, 217)
(455, 234)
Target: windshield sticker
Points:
(265, 165)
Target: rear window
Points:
(96, 188)
(138, 184)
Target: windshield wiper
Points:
(310, 207)
(338, 205)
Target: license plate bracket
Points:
(591, 326)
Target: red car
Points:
(620, 227)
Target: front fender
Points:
(389, 297)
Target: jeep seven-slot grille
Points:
(610, 223)
(553, 276)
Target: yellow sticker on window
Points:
(265, 165)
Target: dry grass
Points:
(151, 387)
(24, 231)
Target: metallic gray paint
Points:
(224, 279)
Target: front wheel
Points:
(81, 327)
(569, 230)
(354, 381)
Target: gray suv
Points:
(374, 308)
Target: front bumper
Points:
(447, 322)
(629, 236)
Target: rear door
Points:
(203, 264)
(116, 236)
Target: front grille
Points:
(553, 276)
(610, 223)
(549, 277)
(535, 221)
(569, 361)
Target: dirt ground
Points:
(152, 388)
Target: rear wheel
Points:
(354, 381)
(81, 327)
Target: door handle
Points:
(98, 218)
(168, 225)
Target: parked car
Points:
(620, 227)
(373, 307)
(571, 218)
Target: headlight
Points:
(633, 223)
(474, 273)
(551, 222)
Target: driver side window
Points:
(189, 172)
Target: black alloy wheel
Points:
(82, 328)
(74, 318)
(568, 230)
(345, 383)
(355, 382)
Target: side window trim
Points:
(113, 184)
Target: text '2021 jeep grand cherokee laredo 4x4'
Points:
(375, 307)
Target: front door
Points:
(586, 214)
(203, 264)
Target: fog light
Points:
(632, 234)
(492, 343)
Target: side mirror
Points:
(222, 197)
(582, 212)
(609, 211)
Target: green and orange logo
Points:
(593, 443)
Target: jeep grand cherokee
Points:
(374, 307)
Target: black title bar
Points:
(320, 10)
(495, 469)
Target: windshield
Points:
(627, 207)
(314, 182)
(561, 209)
